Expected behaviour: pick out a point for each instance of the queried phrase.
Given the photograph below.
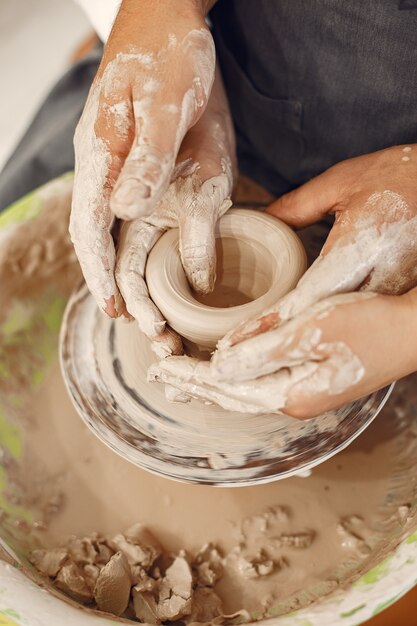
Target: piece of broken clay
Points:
(208, 566)
(206, 606)
(114, 582)
(49, 562)
(138, 545)
(175, 594)
(71, 580)
(172, 601)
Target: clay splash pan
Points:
(189, 442)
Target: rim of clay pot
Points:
(269, 250)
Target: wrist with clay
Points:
(169, 12)
(102, 13)
(202, 6)
(150, 25)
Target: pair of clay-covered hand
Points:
(155, 148)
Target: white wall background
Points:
(37, 38)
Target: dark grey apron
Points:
(46, 149)
(313, 82)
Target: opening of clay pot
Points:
(243, 274)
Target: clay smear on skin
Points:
(407, 156)
(299, 370)
(297, 341)
(271, 393)
(91, 218)
(148, 165)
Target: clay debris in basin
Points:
(131, 575)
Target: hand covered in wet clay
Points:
(152, 87)
(347, 328)
(198, 195)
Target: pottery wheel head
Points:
(105, 363)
